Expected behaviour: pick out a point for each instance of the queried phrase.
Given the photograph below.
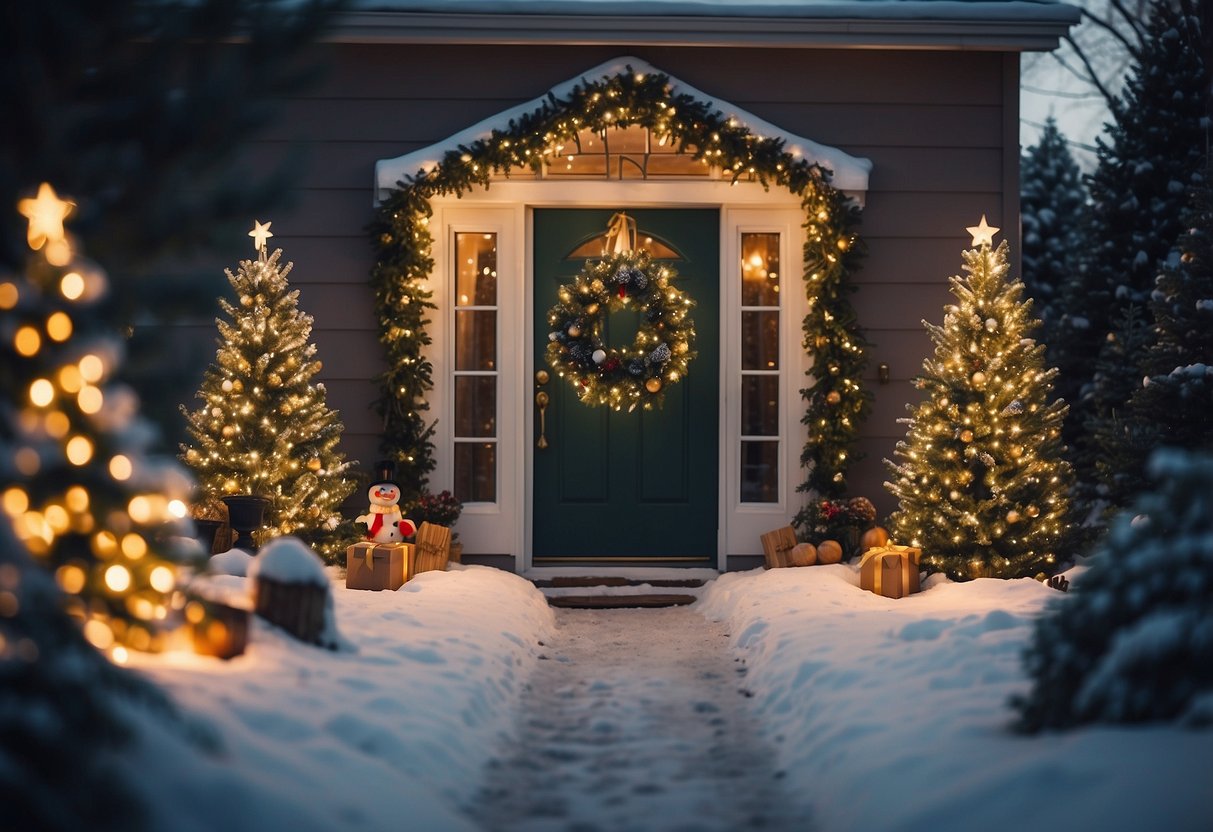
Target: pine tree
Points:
(1133, 640)
(1153, 155)
(1052, 208)
(1173, 404)
(980, 479)
(86, 498)
(263, 427)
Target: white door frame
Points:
(506, 208)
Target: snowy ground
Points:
(881, 715)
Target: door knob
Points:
(541, 377)
(541, 401)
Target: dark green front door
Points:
(638, 486)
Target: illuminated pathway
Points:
(636, 721)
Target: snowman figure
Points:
(384, 522)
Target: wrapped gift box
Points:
(378, 565)
(891, 571)
(433, 548)
(777, 547)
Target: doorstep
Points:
(606, 588)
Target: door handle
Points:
(541, 401)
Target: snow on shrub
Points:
(1133, 640)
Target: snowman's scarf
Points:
(377, 521)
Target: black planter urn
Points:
(205, 531)
(245, 514)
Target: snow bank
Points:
(393, 736)
(288, 560)
(891, 715)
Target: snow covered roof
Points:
(1012, 25)
(850, 173)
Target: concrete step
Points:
(618, 602)
(614, 580)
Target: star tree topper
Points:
(46, 213)
(983, 233)
(260, 233)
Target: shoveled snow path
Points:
(636, 720)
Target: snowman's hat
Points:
(385, 473)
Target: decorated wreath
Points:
(659, 355)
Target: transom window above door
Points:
(597, 246)
(632, 152)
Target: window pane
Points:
(760, 340)
(759, 269)
(476, 472)
(475, 339)
(475, 269)
(760, 472)
(760, 405)
(475, 406)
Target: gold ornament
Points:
(286, 409)
(979, 378)
(274, 380)
(873, 538)
(245, 300)
(1032, 511)
(592, 309)
(803, 554)
(597, 285)
(966, 435)
(833, 397)
(228, 431)
(574, 331)
(681, 347)
(1012, 516)
(1016, 451)
(653, 385)
(313, 464)
(829, 551)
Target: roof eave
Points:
(1010, 35)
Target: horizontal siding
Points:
(932, 123)
(441, 73)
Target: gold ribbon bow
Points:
(621, 234)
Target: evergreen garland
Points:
(836, 400)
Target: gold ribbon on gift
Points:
(871, 574)
(621, 234)
(369, 556)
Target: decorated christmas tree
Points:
(980, 479)
(1052, 208)
(1132, 641)
(1173, 403)
(1152, 156)
(264, 427)
(84, 496)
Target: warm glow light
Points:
(70, 578)
(41, 392)
(92, 368)
(134, 546)
(57, 424)
(118, 578)
(70, 379)
(8, 295)
(98, 633)
(120, 468)
(72, 285)
(162, 579)
(90, 399)
(177, 508)
(59, 326)
(76, 498)
(27, 341)
(79, 450)
(140, 509)
(16, 501)
(119, 655)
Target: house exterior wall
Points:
(941, 128)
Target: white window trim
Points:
(505, 208)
